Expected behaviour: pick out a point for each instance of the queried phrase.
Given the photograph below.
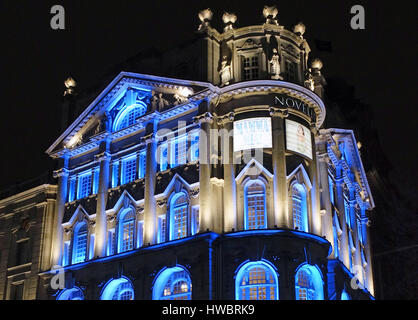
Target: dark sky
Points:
(379, 61)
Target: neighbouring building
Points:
(222, 186)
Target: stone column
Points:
(326, 209)
(62, 193)
(206, 220)
(229, 188)
(339, 182)
(280, 192)
(150, 209)
(367, 250)
(101, 220)
(315, 196)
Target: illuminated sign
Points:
(284, 101)
(252, 133)
(298, 138)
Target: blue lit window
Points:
(299, 208)
(71, 294)
(163, 157)
(162, 229)
(255, 206)
(142, 164)
(308, 283)
(118, 289)
(336, 238)
(140, 236)
(194, 147)
(111, 240)
(66, 254)
(345, 295)
(256, 281)
(331, 189)
(347, 212)
(195, 220)
(126, 230)
(178, 216)
(172, 284)
(178, 151)
(84, 185)
(80, 243)
(129, 170)
(96, 181)
(115, 174)
(71, 189)
(128, 116)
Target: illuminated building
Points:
(223, 188)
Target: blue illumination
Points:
(172, 284)
(178, 216)
(309, 283)
(129, 169)
(345, 295)
(257, 280)
(115, 174)
(255, 216)
(299, 208)
(80, 243)
(71, 189)
(163, 156)
(84, 185)
(128, 115)
(331, 189)
(194, 147)
(126, 229)
(178, 151)
(71, 294)
(118, 289)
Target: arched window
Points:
(299, 208)
(80, 243)
(128, 116)
(71, 294)
(308, 283)
(255, 206)
(178, 216)
(256, 281)
(118, 289)
(173, 284)
(126, 230)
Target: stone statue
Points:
(154, 101)
(225, 71)
(205, 17)
(309, 81)
(161, 101)
(275, 65)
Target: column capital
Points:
(207, 117)
(323, 157)
(149, 138)
(63, 172)
(227, 118)
(279, 112)
(102, 156)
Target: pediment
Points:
(299, 175)
(79, 215)
(158, 97)
(253, 169)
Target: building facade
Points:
(227, 188)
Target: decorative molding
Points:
(207, 117)
(61, 173)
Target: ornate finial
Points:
(70, 85)
(270, 13)
(205, 17)
(229, 19)
(317, 64)
(299, 29)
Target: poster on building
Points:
(254, 133)
(298, 138)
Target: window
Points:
(118, 289)
(71, 189)
(80, 243)
(142, 164)
(291, 71)
(299, 208)
(71, 294)
(195, 220)
(178, 151)
(308, 283)
(256, 281)
(140, 236)
(91, 246)
(66, 254)
(250, 68)
(331, 189)
(255, 206)
(163, 156)
(111, 240)
(129, 170)
(22, 252)
(173, 284)
(194, 147)
(84, 185)
(162, 229)
(126, 230)
(115, 174)
(128, 116)
(17, 291)
(178, 216)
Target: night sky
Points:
(379, 61)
